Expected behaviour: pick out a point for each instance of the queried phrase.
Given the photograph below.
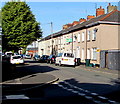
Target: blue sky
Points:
(61, 13)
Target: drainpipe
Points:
(86, 42)
(72, 42)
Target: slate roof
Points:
(111, 18)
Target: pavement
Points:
(38, 78)
(101, 70)
(28, 82)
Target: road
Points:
(75, 85)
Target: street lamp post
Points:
(52, 35)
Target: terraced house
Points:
(95, 38)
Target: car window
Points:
(68, 55)
(53, 56)
(17, 57)
(60, 54)
(27, 55)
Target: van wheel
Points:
(59, 63)
(74, 66)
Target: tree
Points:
(19, 26)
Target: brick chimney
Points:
(100, 11)
(90, 17)
(67, 26)
(82, 20)
(75, 23)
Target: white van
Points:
(65, 59)
(8, 53)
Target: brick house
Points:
(94, 38)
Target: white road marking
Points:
(17, 97)
(101, 97)
(83, 94)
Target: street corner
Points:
(39, 78)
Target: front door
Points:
(106, 59)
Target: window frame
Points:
(78, 37)
(94, 53)
(88, 35)
(83, 36)
(94, 35)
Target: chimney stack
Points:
(75, 23)
(111, 8)
(82, 20)
(67, 26)
(90, 17)
(100, 11)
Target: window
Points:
(94, 35)
(88, 36)
(94, 53)
(78, 52)
(82, 54)
(74, 38)
(88, 53)
(83, 37)
(59, 40)
(78, 37)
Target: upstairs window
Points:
(94, 34)
(74, 38)
(78, 37)
(83, 37)
(88, 36)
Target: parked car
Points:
(36, 57)
(51, 59)
(44, 58)
(17, 59)
(27, 56)
(65, 59)
(6, 59)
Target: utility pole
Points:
(51, 23)
(51, 29)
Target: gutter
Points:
(102, 22)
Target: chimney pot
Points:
(109, 4)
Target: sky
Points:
(61, 13)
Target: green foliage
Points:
(0, 18)
(19, 26)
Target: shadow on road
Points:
(24, 70)
(112, 92)
(54, 94)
